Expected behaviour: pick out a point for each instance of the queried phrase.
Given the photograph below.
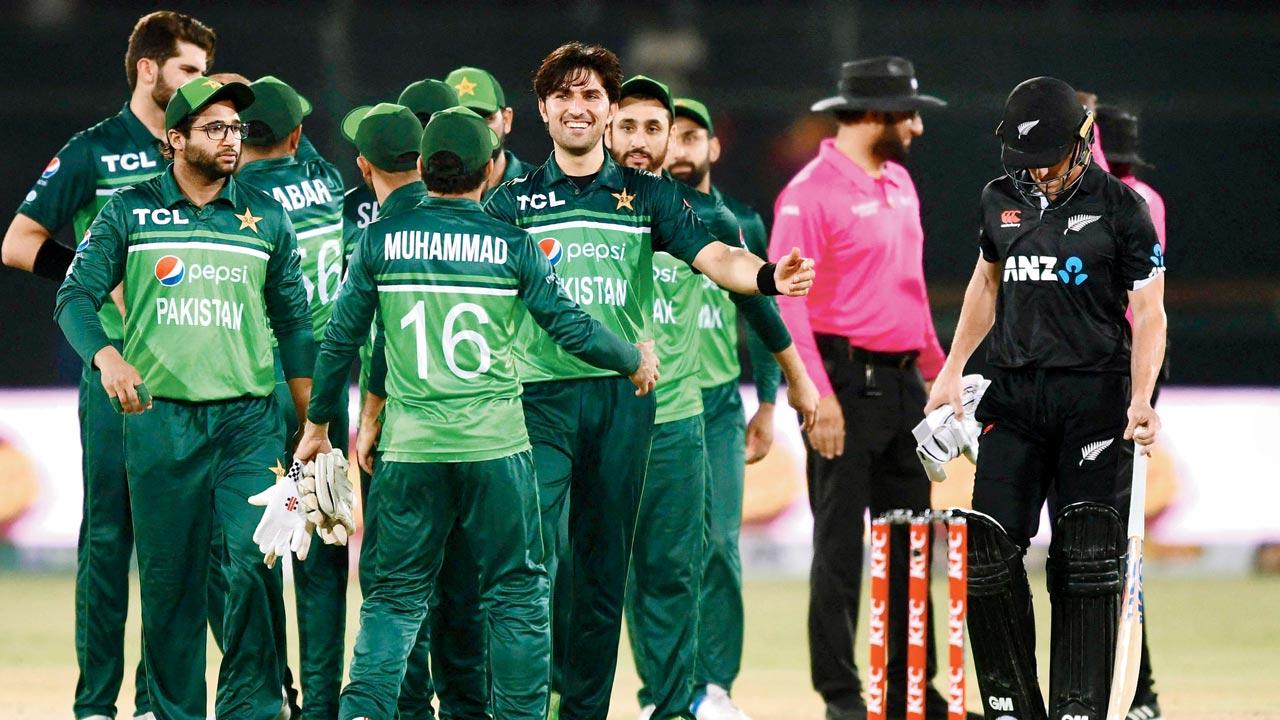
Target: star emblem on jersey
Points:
(624, 200)
(247, 220)
(1077, 222)
(1093, 450)
(465, 87)
(278, 469)
(1024, 128)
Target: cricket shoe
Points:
(1145, 711)
(715, 704)
(646, 712)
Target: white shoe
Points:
(716, 704)
(647, 711)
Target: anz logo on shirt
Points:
(1044, 268)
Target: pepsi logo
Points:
(84, 242)
(51, 169)
(552, 249)
(170, 270)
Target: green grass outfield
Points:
(1216, 643)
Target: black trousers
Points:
(878, 471)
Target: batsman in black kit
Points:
(1065, 247)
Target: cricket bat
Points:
(1124, 678)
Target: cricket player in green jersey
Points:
(450, 283)
(600, 224)
(210, 273)
(731, 442)
(310, 191)
(668, 557)
(452, 636)
(165, 50)
(480, 91)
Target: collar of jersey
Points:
(610, 174)
(403, 198)
(264, 164)
(171, 194)
(138, 132)
(445, 203)
(515, 167)
(851, 170)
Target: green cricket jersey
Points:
(79, 180)
(515, 168)
(451, 284)
(359, 208)
(201, 285)
(720, 317)
(601, 240)
(310, 192)
(678, 313)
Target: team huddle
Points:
(551, 435)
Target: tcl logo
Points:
(1011, 218)
(128, 161)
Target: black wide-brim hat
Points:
(1119, 129)
(883, 84)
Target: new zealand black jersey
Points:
(1065, 273)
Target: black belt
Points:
(902, 360)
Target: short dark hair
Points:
(184, 129)
(156, 36)
(443, 174)
(567, 64)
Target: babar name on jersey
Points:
(451, 247)
(127, 162)
(302, 194)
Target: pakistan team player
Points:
(600, 224)
(667, 559)
(480, 91)
(210, 273)
(731, 442)
(310, 191)
(450, 284)
(165, 50)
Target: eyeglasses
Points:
(218, 130)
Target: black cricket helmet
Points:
(1043, 122)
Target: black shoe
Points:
(849, 711)
(1145, 710)
(291, 695)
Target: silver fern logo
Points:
(1093, 450)
(1077, 222)
(1024, 128)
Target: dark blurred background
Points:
(1203, 80)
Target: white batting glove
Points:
(327, 497)
(942, 437)
(283, 527)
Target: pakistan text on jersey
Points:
(596, 290)
(199, 312)
(451, 247)
(303, 194)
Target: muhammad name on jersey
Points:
(302, 194)
(450, 247)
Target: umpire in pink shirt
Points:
(866, 336)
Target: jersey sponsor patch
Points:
(52, 168)
(30, 196)
(1076, 223)
(552, 248)
(84, 242)
(170, 270)
(1010, 218)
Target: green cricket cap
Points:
(644, 85)
(306, 104)
(201, 92)
(477, 89)
(275, 112)
(463, 132)
(695, 111)
(386, 134)
(428, 97)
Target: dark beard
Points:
(889, 146)
(205, 164)
(693, 177)
(161, 94)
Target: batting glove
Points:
(327, 497)
(284, 526)
(942, 437)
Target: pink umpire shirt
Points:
(865, 238)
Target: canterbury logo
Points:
(1077, 222)
(1024, 128)
(1010, 218)
(1093, 450)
